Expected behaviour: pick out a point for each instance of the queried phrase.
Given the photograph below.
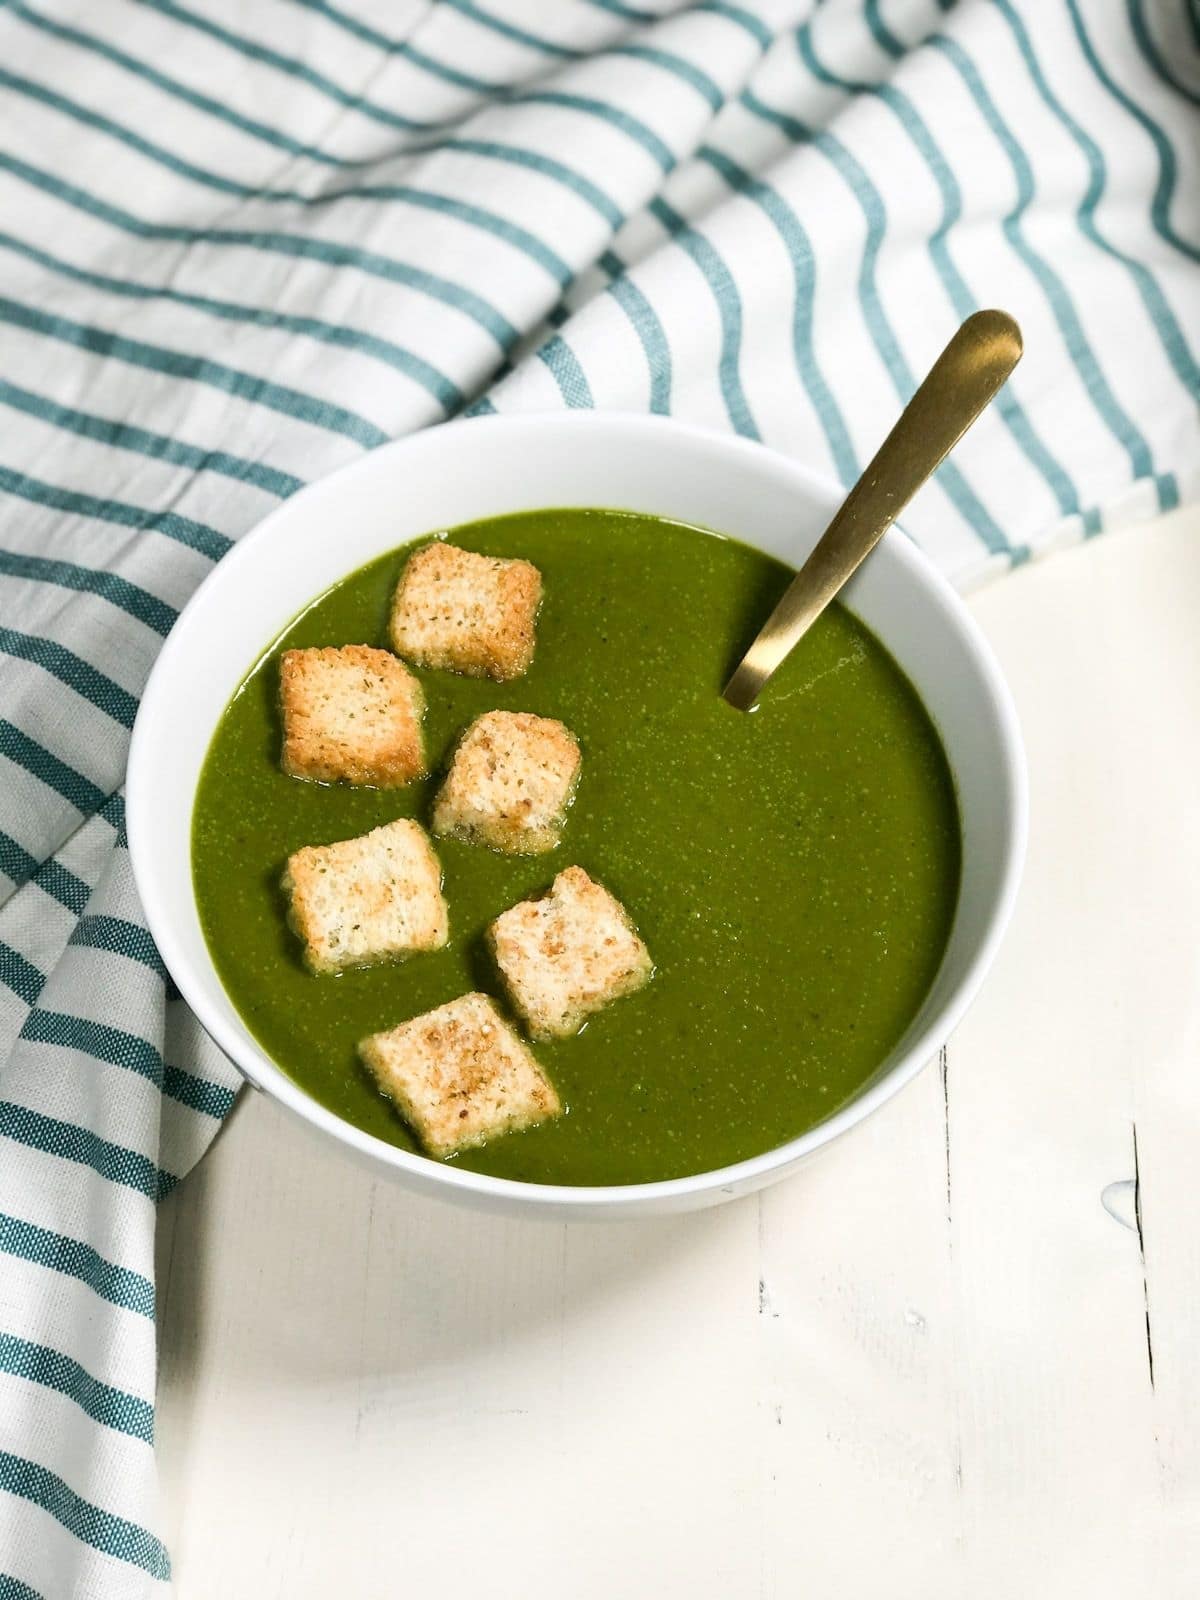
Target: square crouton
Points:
(351, 715)
(467, 613)
(367, 900)
(510, 782)
(568, 955)
(459, 1075)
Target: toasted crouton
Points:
(510, 782)
(459, 1075)
(351, 715)
(568, 955)
(466, 613)
(367, 900)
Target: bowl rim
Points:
(264, 1074)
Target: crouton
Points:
(510, 782)
(351, 715)
(459, 1075)
(466, 613)
(367, 900)
(568, 955)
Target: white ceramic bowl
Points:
(471, 469)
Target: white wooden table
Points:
(944, 1361)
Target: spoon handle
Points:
(960, 384)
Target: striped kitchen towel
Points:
(242, 241)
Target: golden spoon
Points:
(961, 382)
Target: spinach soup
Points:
(793, 872)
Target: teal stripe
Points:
(1113, 414)
(74, 1259)
(195, 535)
(19, 975)
(645, 323)
(122, 938)
(256, 51)
(1159, 312)
(398, 47)
(136, 602)
(196, 369)
(52, 878)
(1168, 170)
(15, 861)
(438, 69)
(447, 394)
(632, 127)
(1008, 407)
(48, 769)
(477, 217)
(355, 25)
(119, 938)
(77, 112)
(678, 66)
(472, 215)
(548, 167)
(514, 155)
(70, 1142)
(124, 436)
(72, 670)
(618, 8)
(199, 1094)
(563, 365)
(113, 812)
(510, 30)
(483, 407)
(92, 1525)
(870, 202)
(1148, 45)
(110, 1407)
(882, 34)
(13, 1589)
(754, 26)
(296, 246)
(274, 137)
(119, 1049)
(729, 309)
(253, 50)
(490, 150)
(799, 247)
(173, 87)
(110, 1045)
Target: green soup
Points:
(794, 872)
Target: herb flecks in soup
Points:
(793, 873)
